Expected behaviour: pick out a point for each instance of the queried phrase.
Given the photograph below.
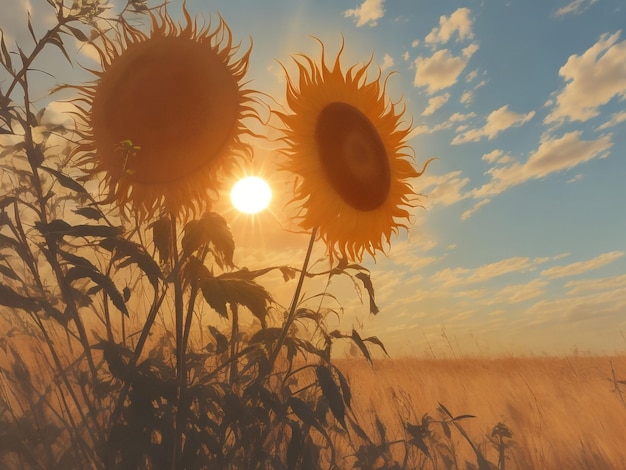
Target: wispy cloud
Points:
(580, 267)
(470, 212)
(593, 79)
(447, 189)
(368, 13)
(435, 103)
(575, 7)
(515, 293)
(498, 121)
(552, 155)
(616, 118)
(449, 277)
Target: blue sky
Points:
(520, 247)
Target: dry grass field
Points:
(563, 412)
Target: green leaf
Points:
(65, 180)
(332, 393)
(162, 236)
(305, 414)
(359, 342)
(219, 291)
(57, 41)
(30, 28)
(213, 293)
(375, 340)
(294, 448)
(418, 434)
(381, 429)
(132, 253)
(80, 272)
(367, 283)
(10, 298)
(266, 336)
(59, 228)
(212, 231)
(6, 57)
(92, 213)
(288, 273)
(345, 387)
(460, 417)
(221, 342)
(78, 34)
(8, 272)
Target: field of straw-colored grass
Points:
(563, 411)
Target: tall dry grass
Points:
(564, 412)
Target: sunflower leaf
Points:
(219, 291)
(65, 180)
(359, 342)
(332, 393)
(92, 213)
(221, 342)
(79, 272)
(10, 298)
(367, 283)
(130, 252)
(213, 232)
(375, 340)
(162, 236)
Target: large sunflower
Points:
(164, 115)
(346, 144)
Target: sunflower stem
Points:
(294, 302)
(180, 349)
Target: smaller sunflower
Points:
(164, 117)
(346, 144)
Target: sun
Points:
(251, 195)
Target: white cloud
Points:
(552, 155)
(387, 62)
(492, 156)
(467, 97)
(470, 77)
(458, 117)
(580, 267)
(498, 121)
(447, 188)
(593, 79)
(592, 285)
(449, 277)
(575, 7)
(470, 212)
(369, 12)
(575, 178)
(435, 103)
(515, 293)
(616, 118)
(442, 69)
(458, 23)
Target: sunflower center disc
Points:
(174, 98)
(353, 156)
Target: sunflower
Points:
(164, 116)
(346, 144)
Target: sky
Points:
(520, 245)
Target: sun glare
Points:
(251, 195)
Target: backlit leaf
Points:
(367, 283)
(332, 393)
